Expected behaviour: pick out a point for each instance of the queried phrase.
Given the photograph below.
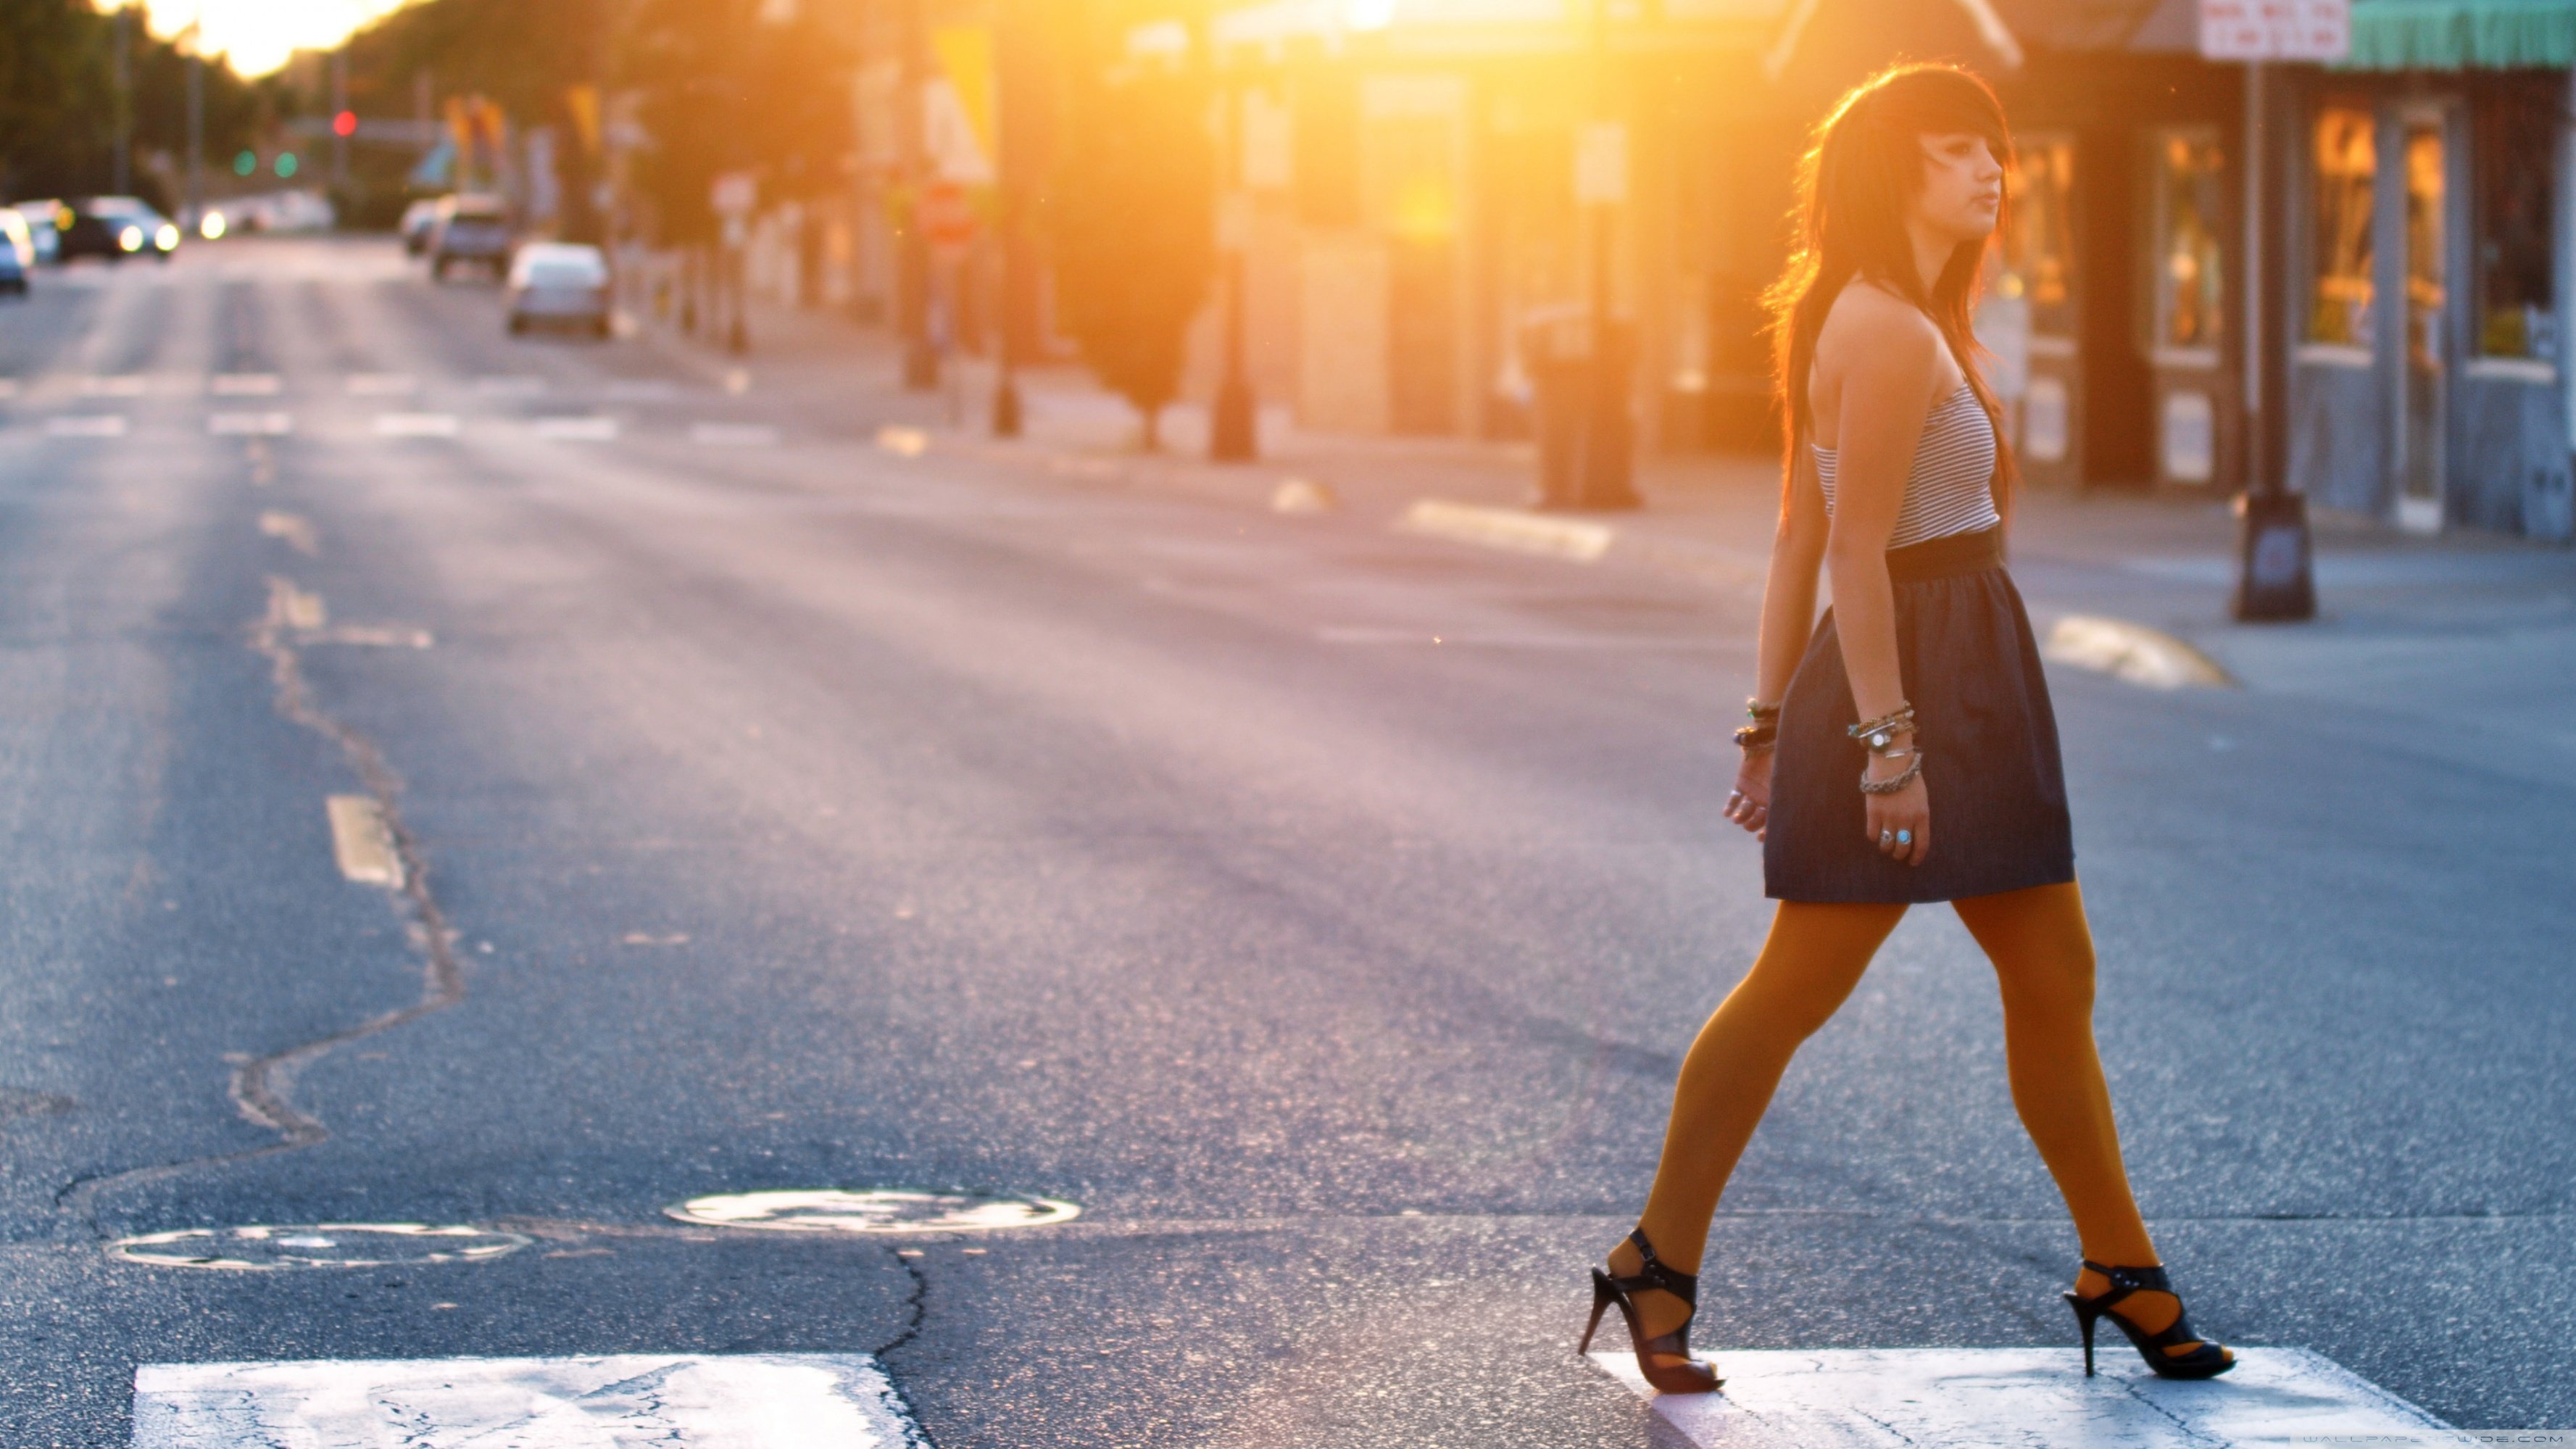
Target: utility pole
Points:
(914, 284)
(2276, 577)
(1008, 159)
(1234, 424)
(196, 212)
(339, 108)
(1602, 461)
(120, 165)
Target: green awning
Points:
(2462, 35)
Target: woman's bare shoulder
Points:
(1869, 321)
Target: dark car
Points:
(114, 227)
(470, 231)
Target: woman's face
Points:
(1963, 186)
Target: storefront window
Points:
(2517, 132)
(2040, 249)
(2191, 290)
(2346, 168)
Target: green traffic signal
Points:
(245, 163)
(285, 164)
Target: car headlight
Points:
(130, 239)
(211, 225)
(167, 238)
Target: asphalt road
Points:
(1322, 909)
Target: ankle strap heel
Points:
(1665, 1359)
(2208, 1360)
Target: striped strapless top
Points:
(1951, 488)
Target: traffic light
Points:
(245, 163)
(345, 124)
(285, 164)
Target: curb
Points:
(1510, 528)
(2134, 653)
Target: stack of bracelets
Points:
(1764, 729)
(1880, 735)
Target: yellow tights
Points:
(2043, 957)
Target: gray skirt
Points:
(1971, 668)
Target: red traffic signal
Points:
(345, 124)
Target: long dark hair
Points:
(1854, 184)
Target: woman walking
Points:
(1906, 751)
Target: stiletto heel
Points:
(2209, 1360)
(1656, 1356)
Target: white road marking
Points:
(132, 384)
(873, 1210)
(294, 529)
(639, 390)
(250, 425)
(246, 384)
(733, 435)
(903, 442)
(416, 425)
(383, 384)
(362, 843)
(291, 608)
(578, 430)
(1510, 528)
(2132, 652)
(374, 636)
(1303, 495)
(86, 425)
(275, 1249)
(1371, 634)
(1787, 1398)
(510, 385)
(683, 1401)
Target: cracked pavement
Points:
(816, 815)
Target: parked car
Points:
(559, 284)
(472, 231)
(17, 252)
(417, 219)
(39, 217)
(114, 227)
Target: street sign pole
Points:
(2275, 574)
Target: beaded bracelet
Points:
(1756, 736)
(1759, 711)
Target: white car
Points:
(559, 284)
(39, 217)
(17, 252)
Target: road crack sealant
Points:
(262, 1087)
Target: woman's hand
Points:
(1900, 823)
(1750, 804)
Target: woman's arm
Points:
(1888, 364)
(1788, 617)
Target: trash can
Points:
(1578, 371)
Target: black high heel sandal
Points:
(2207, 1361)
(1654, 1355)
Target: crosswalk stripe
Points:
(416, 425)
(578, 429)
(250, 425)
(245, 384)
(2023, 1396)
(733, 435)
(86, 425)
(382, 384)
(684, 1401)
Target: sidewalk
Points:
(2474, 631)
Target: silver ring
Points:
(1885, 836)
(1905, 837)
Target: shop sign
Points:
(2311, 30)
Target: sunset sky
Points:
(258, 34)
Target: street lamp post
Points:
(1234, 424)
(2275, 577)
(1603, 454)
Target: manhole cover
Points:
(873, 1210)
(318, 1245)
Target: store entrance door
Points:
(2423, 380)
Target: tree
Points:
(58, 100)
(1134, 219)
